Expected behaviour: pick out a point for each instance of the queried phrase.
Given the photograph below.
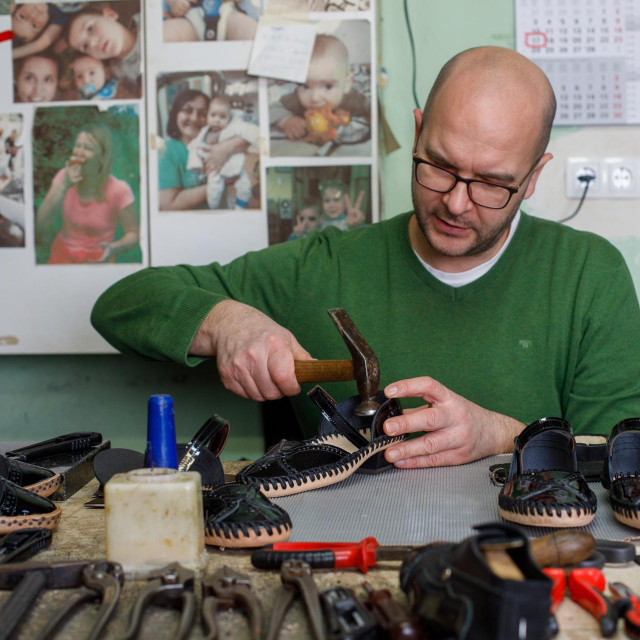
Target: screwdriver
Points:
(560, 548)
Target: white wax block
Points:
(154, 517)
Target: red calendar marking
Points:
(535, 39)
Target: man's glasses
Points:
(484, 194)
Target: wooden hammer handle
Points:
(324, 370)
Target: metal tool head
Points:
(365, 362)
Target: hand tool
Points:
(170, 586)
(296, 581)
(23, 544)
(391, 616)
(61, 444)
(101, 581)
(346, 617)
(586, 587)
(227, 589)
(559, 547)
(28, 580)
(630, 611)
(363, 367)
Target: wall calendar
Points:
(590, 50)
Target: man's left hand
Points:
(457, 430)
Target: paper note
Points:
(282, 51)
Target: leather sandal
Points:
(544, 487)
(346, 443)
(621, 473)
(488, 586)
(22, 509)
(238, 515)
(38, 480)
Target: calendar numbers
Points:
(590, 50)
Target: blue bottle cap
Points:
(161, 433)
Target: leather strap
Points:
(330, 411)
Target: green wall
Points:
(440, 30)
(44, 396)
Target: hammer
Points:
(363, 366)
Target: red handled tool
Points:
(586, 587)
(328, 555)
(630, 608)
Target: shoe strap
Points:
(559, 425)
(332, 413)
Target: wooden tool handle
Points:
(324, 370)
(562, 548)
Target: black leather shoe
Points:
(621, 473)
(21, 509)
(38, 480)
(482, 588)
(346, 443)
(544, 487)
(238, 515)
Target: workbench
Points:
(81, 536)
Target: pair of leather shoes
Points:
(22, 509)
(544, 487)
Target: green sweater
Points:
(553, 329)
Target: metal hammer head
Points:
(365, 363)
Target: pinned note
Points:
(282, 51)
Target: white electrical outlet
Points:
(577, 167)
(624, 177)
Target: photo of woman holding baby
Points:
(207, 161)
(90, 212)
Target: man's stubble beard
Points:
(483, 243)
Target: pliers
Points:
(631, 610)
(101, 581)
(586, 586)
(227, 589)
(170, 586)
(296, 581)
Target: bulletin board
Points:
(133, 135)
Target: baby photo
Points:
(86, 185)
(208, 131)
(193, 20)
(11, 181)
(305, 199)
(292, 6)
(330, 113)
(76, 51)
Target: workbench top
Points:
(81, 535)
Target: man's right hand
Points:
(255, 354)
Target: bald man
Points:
(483, 318)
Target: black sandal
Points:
(345, 444)
(544, 487)
(42, 482)
(621, 473)
(22, 509)
(238, 515)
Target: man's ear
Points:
(418, 118)
(531, 187)
(108, 12)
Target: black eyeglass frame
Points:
(512, 190)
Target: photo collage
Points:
(127, 118)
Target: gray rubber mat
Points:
(418, 506)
